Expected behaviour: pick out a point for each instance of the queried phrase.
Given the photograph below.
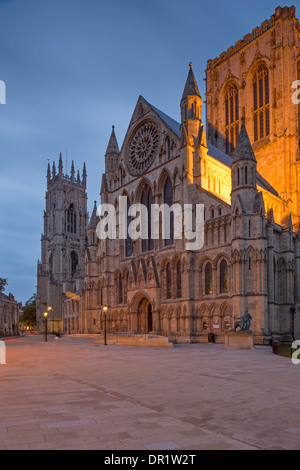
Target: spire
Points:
(72, 171)
(53, 170)
(191, 87)
(112, 147)
(243, 150)
(95, 219)
(112, 152)
(48, 174)
(84, 176)
(60, 164)
(78, 177)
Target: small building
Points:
(9, 315)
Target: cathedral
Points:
(244, 170)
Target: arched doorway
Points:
(144, 316)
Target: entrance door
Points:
(144, 317)
(150, 318)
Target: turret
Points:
(72, 172)
(60, 165)
(53, 170)
(243, 171)
(84, 175)
(112, 152)
(191, 101)
(92, 238)
(48, 175)
(192, 129)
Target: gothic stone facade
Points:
(246, 175)
(249, 261)
(63, 243)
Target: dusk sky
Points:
(74, 68)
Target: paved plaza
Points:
(77, 394)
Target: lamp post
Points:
(105, 310)
(46, 325)
(49, 310)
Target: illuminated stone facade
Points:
(248, 184)
(254, 79)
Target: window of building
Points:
(128, 238)
(146, 200)
(298, 78)
(168, 199)
(178, 276)
(223, 277)
(261, 103)
(168, 281)
(231, 117)
(208, 279)
(71, 219)
(74, 262)
(120, 291)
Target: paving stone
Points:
(78, 396)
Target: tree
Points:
(28, 319)
(3, 283)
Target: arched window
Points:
(261, 103)
(178, 279)
(168, 199)
(168, 281)
(231, 117)
(74, 262)
(208, 279)
(223, 277)
(71, 219)
(120, 291)
(246, 174)
(194, 109)
(146, 200)
(128, 238)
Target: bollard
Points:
(2, 353)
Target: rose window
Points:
(143, 149)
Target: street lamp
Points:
(105, 310)
(46, 325)
(49, 310)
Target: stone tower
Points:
(63, 243)
(249, 245)
(254, 79)
(192, 129)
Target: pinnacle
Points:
(112, 147)
(243, 150)
(191, 87)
